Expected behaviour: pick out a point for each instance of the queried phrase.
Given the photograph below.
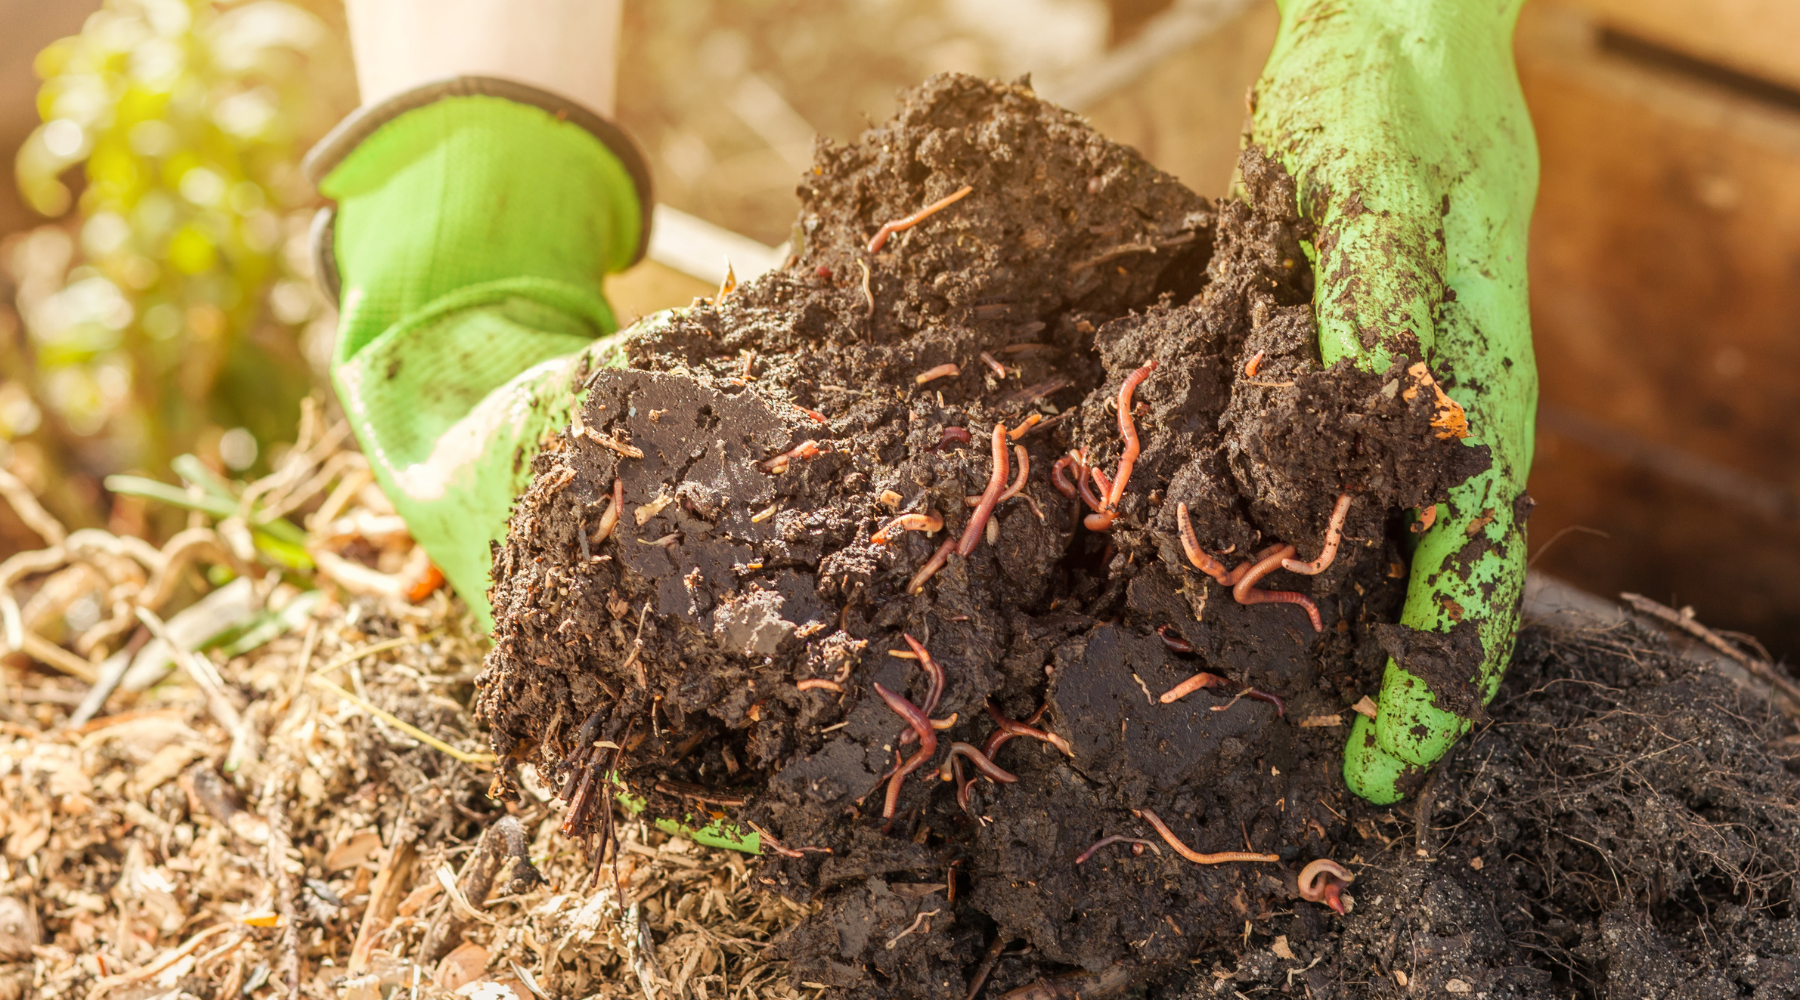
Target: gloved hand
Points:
(475, 220)
(1404, 127)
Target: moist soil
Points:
(680, 642)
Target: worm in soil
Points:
(930, 524)
(1334, 533)
(1192, 684)
(958, 434)
(935, 692)
(1128, 430)
(1137, 846)
(932, 565)
(1323, 881)
(981, 761)
(921, 725)
(1189, 853)
(1254, 364)
(1059, 477)
(999, 369)
(1175, 642)
(1010, 728)
(1246, 593)
(880, 238)
(941, 371)
(778, 464)
(971, 535)
(1256, 694)
(609, 518)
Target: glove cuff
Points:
(359, 125)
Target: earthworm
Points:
(877, 241)
(1427, 517)
(947, 722)
(1025, 428)
(1334, 533)
(1200, 680)
(609, 518)
(779, 463)
(1174, 642)
(999, 369)
(929, 523)
(821, 683)
(816, 415)
(935, 692)
(1333, 876)
(1059, 477)
(1251, 366)
(1189, 853)
(1190, 544)
(786, 852)
(1259, 695)
(932, 565)
(988, 961)
(945, 370)
(1087, 495)
(1128, 429)
(996, 485)
(977, 758)
(957, 434)
(1137, 846)
(1024, 458)
(921, 725)
(1246, 593)
(962, 786)
(1011, 728)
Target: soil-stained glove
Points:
(475, 221)
(1403, 124)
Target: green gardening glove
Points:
(1404, 126)
(475, 221)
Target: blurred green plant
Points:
(174, 322)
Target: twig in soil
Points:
(819, 683)
(1334, 533)
(786, 852)
(1200, 680)
(1254, 364)
(1685, 620)
(274, 802)
(627, 450)
(500, 843)
(986, 967)
(1323, 881)
(1246, 593)
(401, 724)
(1174, 642)
(385, 892)
(971, 535)
(921, 725)
(1010, 728)
(920, 919)
(927, 522)
(868, 296)
(981, 761)
(999, 369)
(1189, 853)
(946, 370)
(107, 984)
(1427, 517)
(1137, 846)
(880, 238)
(932, 565)
(609, 518)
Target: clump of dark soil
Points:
(722, 645)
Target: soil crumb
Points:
(717, 590)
